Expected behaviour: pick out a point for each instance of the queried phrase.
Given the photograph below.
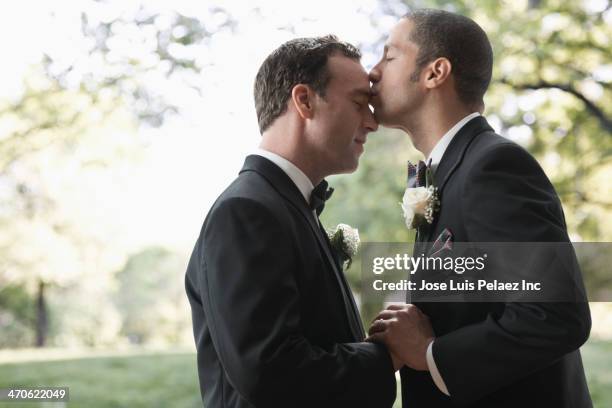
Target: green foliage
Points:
(596, 357)
(70, 118)
(552, 93)
(151, 297)
(17, 299)
(536, 45)
(17, 317)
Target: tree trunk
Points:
(41, 315)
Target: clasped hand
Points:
(406, 331)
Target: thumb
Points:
(378, 337)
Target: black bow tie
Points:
(319, 195)
(417, 174)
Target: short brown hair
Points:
(439, 34)
(299, 61)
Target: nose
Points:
(374, 75)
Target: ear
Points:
(437, 72)
(302, 99)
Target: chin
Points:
(348, 168)
(353, 166)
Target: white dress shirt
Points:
(301, 180)
(436, 156)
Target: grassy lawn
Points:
(156, 380)
(169, 379)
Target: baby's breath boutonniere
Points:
(344, 240)
(420, 201)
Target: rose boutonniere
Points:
(420, 200)
(344, 240)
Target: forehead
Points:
(347, 73)
(399, 37)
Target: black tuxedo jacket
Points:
(274, 321)
(499, 354)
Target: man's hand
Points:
(396, 361)
(406, 332)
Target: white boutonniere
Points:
(344, 240)
(420, 201)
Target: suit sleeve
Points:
(508, 198)
(251, 298)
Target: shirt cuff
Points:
(433, 370)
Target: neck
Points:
(288, 144)
(428, 127)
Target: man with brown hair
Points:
(274, 320)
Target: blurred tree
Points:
(125, 56)
(150, 285)
(127, 59)
(552, 92)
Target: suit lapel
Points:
(452, 158)
(456, 149)
(283, 184)
(354, 310)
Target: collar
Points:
(301, 180)
(438, 151)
